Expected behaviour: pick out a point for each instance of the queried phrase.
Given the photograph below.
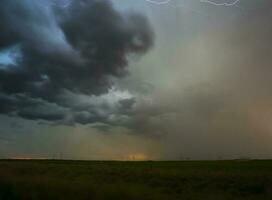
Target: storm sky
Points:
(135, 79)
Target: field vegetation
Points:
(181, 180)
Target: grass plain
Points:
(112, 180)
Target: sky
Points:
(135, 79)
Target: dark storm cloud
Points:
(75, 49)
(31, 108)
(108, 108)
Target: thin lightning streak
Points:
(220, 4)
(202, 1)
(181, 5)
(165, 2)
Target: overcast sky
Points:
(135, 79)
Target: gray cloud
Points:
(66, 50)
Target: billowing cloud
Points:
(73, 50)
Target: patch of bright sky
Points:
(6, 58)
(9, 56)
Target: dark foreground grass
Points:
(49, 179)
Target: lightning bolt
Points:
(202, 1)
(220, 4)
(162, 2)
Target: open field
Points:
(49, 179)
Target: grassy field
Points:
(49, 179)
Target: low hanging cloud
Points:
(66, 53)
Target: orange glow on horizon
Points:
(137, 157)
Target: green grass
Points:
(50, 179)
